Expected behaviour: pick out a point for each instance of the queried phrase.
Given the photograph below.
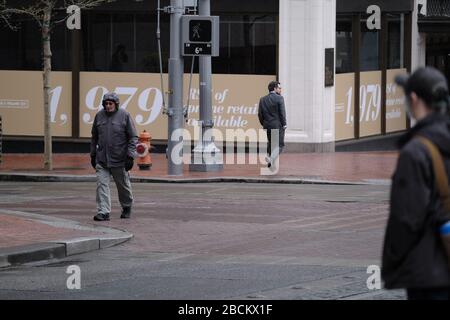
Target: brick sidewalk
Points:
(351, 167)
(348, 166)
(18, 231)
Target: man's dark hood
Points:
(112, 97)
(435, 127)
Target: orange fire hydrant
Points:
(144, 160)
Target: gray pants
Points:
(122, 180)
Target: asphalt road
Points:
(213, 241)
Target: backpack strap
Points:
(439, 172)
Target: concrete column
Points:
(418, 41)
(307, 27)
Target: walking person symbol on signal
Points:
(196, 30)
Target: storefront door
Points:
(438, 52)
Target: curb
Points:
(58, 249)
(18, 255)
(25, 177)
(30, 253)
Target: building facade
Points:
(332, 66)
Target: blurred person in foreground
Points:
(414, 257)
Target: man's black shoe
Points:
(269, 161)
(126, 212)
(101, 217)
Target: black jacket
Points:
(271, 112)
(413, 255)
(114, 138)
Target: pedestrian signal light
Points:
(200, 31)
(200, 35)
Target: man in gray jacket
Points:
(113, 149)
(272, 116)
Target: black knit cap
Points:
(427, 83)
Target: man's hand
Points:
(129, 163)
(93, 161)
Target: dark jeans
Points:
(428, 294)
(280, 141)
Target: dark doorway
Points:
(438, 52)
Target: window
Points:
(395, 41)
(96, 43)
(10, 55)
(123, 52)
(369, 53)
(61, 44)
(147, 57)
(265, 47)
(247, 45)
(344, 39)
(21, 49)
(122, 41)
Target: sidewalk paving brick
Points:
(27, 239)
(17, 231)
(345, 166)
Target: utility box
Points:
(199, 35)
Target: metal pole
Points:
(76, 59)
(175, 111)
(206, 145)
(205, 76)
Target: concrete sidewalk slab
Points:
(43, 237)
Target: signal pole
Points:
(175, 108)
(206, 144)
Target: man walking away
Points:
(272, 115)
